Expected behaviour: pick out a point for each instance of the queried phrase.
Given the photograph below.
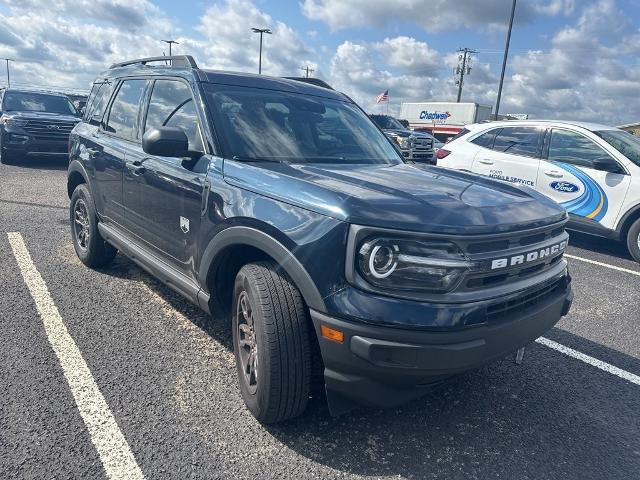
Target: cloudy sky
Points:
(577, 59)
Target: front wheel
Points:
(633, 240)
(271, 343)
(90, 247)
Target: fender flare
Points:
(241, 235)
(76, 167)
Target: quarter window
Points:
(123, 116)
(97, 102)
(172, 105)
(518, 141)
(570, 147)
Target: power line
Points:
(462, 68)
(308, 70)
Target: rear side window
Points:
(123, 116)
(519, 141)
(486, 139)
(172, 105)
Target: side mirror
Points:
(606, 164)
(166, 142)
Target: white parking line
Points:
(618, 372)
(612, 267)
(112, 447)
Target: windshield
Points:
(388, 123)
(269, 125)
(37, 102)
(624, 142)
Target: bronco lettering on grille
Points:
(550, 251)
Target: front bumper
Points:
(28, 145)
(383, 366)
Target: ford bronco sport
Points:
(281, 205)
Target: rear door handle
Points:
(136, 167)
(554, 173)
(486, 161)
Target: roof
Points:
(511, 123)
(141, 67)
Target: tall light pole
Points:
(504, 60)
(8, 76)
(261, 31)
(170, 42)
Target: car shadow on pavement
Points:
(599, 245)
(43, 163)
(551, 417)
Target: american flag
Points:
(383, 97)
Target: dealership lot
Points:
(167, 376)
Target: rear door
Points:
(510, 153)
(568, 175)
(163, 195)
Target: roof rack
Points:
(184, 61)
(312, 80)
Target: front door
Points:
(568, 175)
(509, 153)
(163, 195)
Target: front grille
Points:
(422, 144)
(49, 129)
(505, 247)
(504, 310)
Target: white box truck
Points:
(443, 119)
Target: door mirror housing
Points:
(166, 142)
(606, 164)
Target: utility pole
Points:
(261, 31)
(308, 70)
(463, 68)
(8, 76)
(170, 42)
(504, 60)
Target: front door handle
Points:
(93, 152)
(553, 173)
(486, 161)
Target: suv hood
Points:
(405, 197)
(30, 115)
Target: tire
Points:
(633, 240)
(269, 311)
(90, 247)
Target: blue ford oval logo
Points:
(565, 187)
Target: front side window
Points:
(519, 141)
(37, 102)
(626, 143)
(268, 125)
(123, 116)
(571, 147)
(486, 139)
(172, 105)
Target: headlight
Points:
(8, 120)
(411, 265)
(403, 142)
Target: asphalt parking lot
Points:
(167, 375)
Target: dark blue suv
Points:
(280, 205)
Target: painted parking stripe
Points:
(613, 267)
(618, 372)
(113, 449)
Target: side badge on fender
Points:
(565, 187)
(184, 225)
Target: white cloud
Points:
(433, 16)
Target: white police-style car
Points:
(592, 170)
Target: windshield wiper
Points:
(240, 158)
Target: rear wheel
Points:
(90, 247)
(633, 240)
(271, 343)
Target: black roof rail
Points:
(312, 80)
(185, 61)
